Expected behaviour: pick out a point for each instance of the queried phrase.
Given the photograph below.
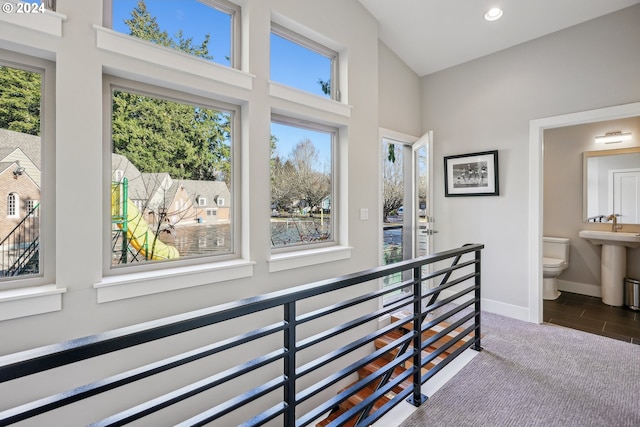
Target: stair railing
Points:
(402, 350)
(21, 244)
(325, 339)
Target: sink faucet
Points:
(615, 226)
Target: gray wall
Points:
(487, 104)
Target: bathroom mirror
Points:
(611, 184)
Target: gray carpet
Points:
(539, 375)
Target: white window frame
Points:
(220, 201)
(202, 201)
(335, 184)
(316, 47)
(38, 293)
(112, 83)
(224, 6)
(13, 205)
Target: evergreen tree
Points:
(156, 135)
(20, 100)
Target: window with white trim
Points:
(21, 142)
(13, 205)
(171, 148)
(208, 29)
(303, 183)
(302, 63)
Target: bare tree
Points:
(392, 179)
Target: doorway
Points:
(405, 200)
(536, 175)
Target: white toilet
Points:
(555, 259)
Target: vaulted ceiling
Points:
(432, 35)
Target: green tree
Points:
(157, 135)
(20, 100)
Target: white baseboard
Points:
(580, 288)
(492, 306)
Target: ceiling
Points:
(432, 35)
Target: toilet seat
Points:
(553, 263)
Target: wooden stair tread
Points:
(383, 360)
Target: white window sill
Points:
(48, 22)
(23, 302)
(123, 286)
(305, 258)
(133, 47)
(306, 100)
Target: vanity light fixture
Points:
(493, 14)
(611, 137)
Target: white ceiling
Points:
(431, 35)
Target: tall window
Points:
(208, 29)
(176, 161)
(12, 205)
(302, 183)
(20, 169)
(301, 63)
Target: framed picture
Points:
(474, 174)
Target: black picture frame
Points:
(473, 174)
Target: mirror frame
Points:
(600, 153)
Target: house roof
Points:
(29, 144)
(210, 190)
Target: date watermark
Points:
(22, 7)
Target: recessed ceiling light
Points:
(493, 14)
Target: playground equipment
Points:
(135, 230)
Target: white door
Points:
(626, 196)
(422, 171)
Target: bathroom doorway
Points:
(536, 187)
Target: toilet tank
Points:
(556, 247)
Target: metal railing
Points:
(19, 247)
(300, 389)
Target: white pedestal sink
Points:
(614, 261)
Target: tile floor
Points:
(590, 314)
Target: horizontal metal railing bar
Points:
(61, 399)
(191, 390)
(448, 314)
(448, 284)
(301, 345)
(443, 333)
(354, 388)
(232, 404)
(449, 299)
(30, 361)
(339, 352)
(313, 315)
(52, 356)
(450, 269)
(431, 372)
(355, 410)
(354, 367)
(265, 416)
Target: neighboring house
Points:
(19, 177)
(177, 202)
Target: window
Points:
(303, 211)
(175, 151)
(301, 63)
(13, 202)
(21, 152)
(220, 202)
(208, 29)
(202, 201)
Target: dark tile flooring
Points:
(590, 314)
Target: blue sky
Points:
(291, 64)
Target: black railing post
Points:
(477, 296)
(417, 398)
(290, 364)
